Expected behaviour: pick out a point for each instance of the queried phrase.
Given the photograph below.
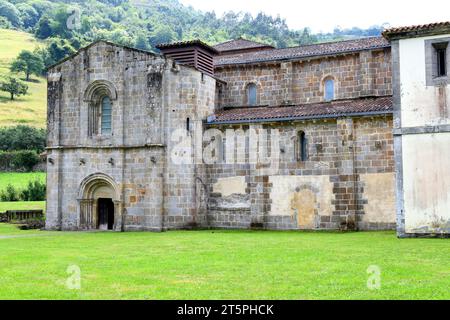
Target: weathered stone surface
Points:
(151, 165)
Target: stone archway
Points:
(99, 203)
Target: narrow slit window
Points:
(441, 62)
(106, 115)
(329, 90)
(302, 154)
(251, 92)
(188, 124)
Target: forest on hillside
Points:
(68, 25)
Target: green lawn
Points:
(22, 205)
(221, 265)
(29, 109)
(19, 180)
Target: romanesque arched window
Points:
(251, 94)
(329, 89)
(99, 96)
(106, 115)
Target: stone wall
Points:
(152, 100)
(347, 179)
(152, 167)
(366, 73)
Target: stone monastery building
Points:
(245, 135)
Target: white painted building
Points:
(421, 77)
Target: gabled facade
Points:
(112, 112)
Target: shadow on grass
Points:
(5, 99)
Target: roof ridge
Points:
(332, 42)
(304, 51)
(241, 38)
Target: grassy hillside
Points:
(29, 109)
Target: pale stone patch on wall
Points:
(378, 191)
(304, 206)
(229, 186)
(427, 184)
(288, 192)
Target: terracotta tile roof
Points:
(362, 106)
(410, 30)
(240, 44)
(186, 43)
(321, 49)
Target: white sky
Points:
(324, 15)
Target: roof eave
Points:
(316, 117)
(398, 35)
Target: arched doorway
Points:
(99, 203)
(105, 213)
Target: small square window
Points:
(436, 61)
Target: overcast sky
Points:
(324, 15)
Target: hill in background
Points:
(29, 109)
(64, 26)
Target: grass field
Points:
(22, 205)
(20, 181)
(29, 109)
(221, 265)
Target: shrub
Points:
(36, 191)
(18, 160)
(11, 194)
(22, 137)
(25, 160)
(32, 224)
(6, 161)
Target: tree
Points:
(14, 86)
(4, 23)
(28, 62)
(141, 42)
(28, 14)
(59, 49)
(22, 137)
(162, 34)
(10, 12)
(43, 28)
